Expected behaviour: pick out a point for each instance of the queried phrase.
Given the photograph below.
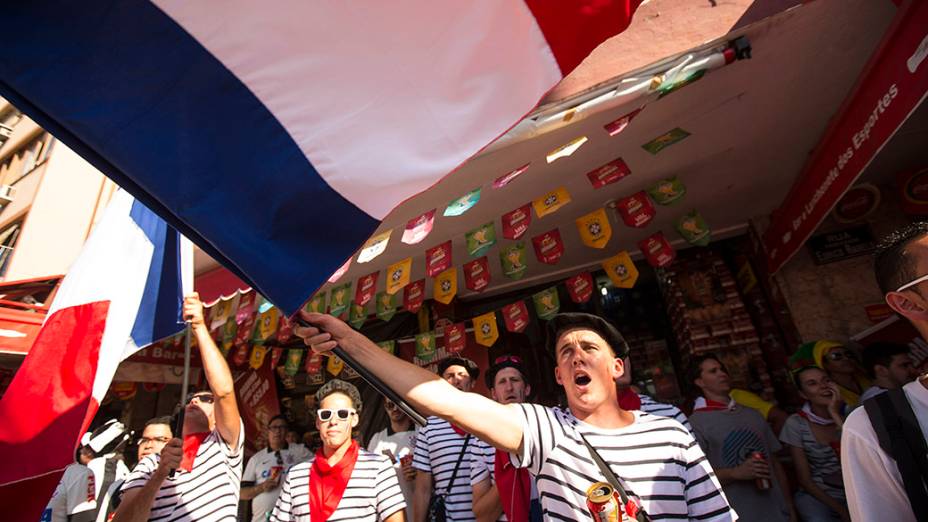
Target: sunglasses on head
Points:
(508, 358)
(202, 397)
(837, 355)
(342, 414)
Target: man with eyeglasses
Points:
(397, 442)
(873, 475)
(263, 473)
(207, 463)
(341, 481)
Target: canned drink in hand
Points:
(762, 483)
(603, 502)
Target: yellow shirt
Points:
(751, 400)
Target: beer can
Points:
(603, 502)
(762, 484)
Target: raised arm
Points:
(488, 420)
(217, 373)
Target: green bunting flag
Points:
(425, 345)
(667, 191)
(480, 239)
(694, 229)
(513, 260)
(386, 306)
(339, 299)
(547, 303)
(388, 346)
(357, 315)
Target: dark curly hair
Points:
(893, 264)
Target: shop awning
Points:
(23, 306)
(218, 283)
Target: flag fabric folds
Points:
(248, 143)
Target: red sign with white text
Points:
(516, 222)
(477, 274)
(438, 259)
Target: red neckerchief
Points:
(712, 405)
(459, 431)
(514, 486)
(327, 483)
(629, 400)
(191, 447)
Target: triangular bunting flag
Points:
(548, 247)
(425, 346)
(386, 306)
(455, 338)
(551, 202)
(398, 275)
(516, 222)
(595, 230)
(547, 303)
(512, 258)
(446, 286)
(580, 287)
(657, 250)
(339, 299)
(438, 259)
(621, 270)
(414, 295)
(374, 246)
(366, 288)
(480, 239)
(516, 316)
(485, 330)
(418, 228)
(477, 274)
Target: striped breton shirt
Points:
(373, 492)
(438, 449)
(649, 405)
(207, 493)
(482, 458)
(657, 460)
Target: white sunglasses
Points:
(910, 284)
(341, 414)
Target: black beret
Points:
(468, 364)
(563, 322)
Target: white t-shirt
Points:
(259, 469)
(438, 448)
(871, 478)
(400, 444)
(372, 493)
(75, 493)
(656, 458)
(208, 493)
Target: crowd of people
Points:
(854, 450)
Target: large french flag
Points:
(124, 291)
(249, 125)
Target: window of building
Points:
(8, 238)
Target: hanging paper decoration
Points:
(566, 150)
(386, 306)
(480, 239)
(516, 222)
(284, 329)
(240, 355)
(340, 272)
(425, 345)
(455, 338)
(414, 296)
(477, 274)
(374, 246)
(366, 288)
(621, 270)
(485, 330)
(357, 315)
(294, 356)
(316, 305)
(608, 173)
(418, 228)
(267, 323)
(276, 353)
(580, 287)
(311, 379)
(349, 374)
(257, 356)
(616, 126)
(635, 210)
(506, 178)
(228, 334)
(667, 191)
(694, 229)
(222, 311)
(398, 275)
(463, 204)
(595, 230)
(551, 202)
(548, 247)
(665, 140)
(125, 391)
(339, 299)
(512, 258)
(516, 316)
(438, 259)
(245, 329)
(669, 85)
(313, 363)
(246, 309)
(547, 303)
(334, 365)
(388, 346)
(446, 286)
(657, 250)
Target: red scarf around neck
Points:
(514, 486)
(629, 400)
(327, 482)
(191, 447)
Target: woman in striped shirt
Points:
(341, 481)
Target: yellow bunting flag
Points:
(485, 331)
(551, 202)
(621, 270)
(334, 365)
(398, 275)
(257, 356)
(267, 323)
(446, 286)
(595, 229)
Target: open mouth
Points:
(582, 379)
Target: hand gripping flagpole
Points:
(372, 379)
(186, 270)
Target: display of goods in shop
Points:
(508, 177)
(366, 288)
(665, 140)
(608, 173)
(618, 125)
(580, 287)
(316, 305)
(516, 222)
(548, 246)
(913, 191)
(398, 275)
(374, 246)
(340, 272)
(462, 204)
(621, 270)
(477, 274)
(418, 228)
(480, 239)
(413, 296)
(667, 191)
(551, 202)
(512, 259)
(334, 365)
(455, 338)
(485, 330)
(445, 286)
(438, 259)
(657, 250)
(857, 203)
(636, 210)
(386, 306)
(388, 346)
(595, 230)
(357, 315)
(516, 316)
(425, 346)
(694, 229)
(547, 303)
(294, 356)
(258, 354)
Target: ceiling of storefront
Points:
(752, 125)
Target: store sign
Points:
(857, 203)
(841, 244)
(913, 189)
